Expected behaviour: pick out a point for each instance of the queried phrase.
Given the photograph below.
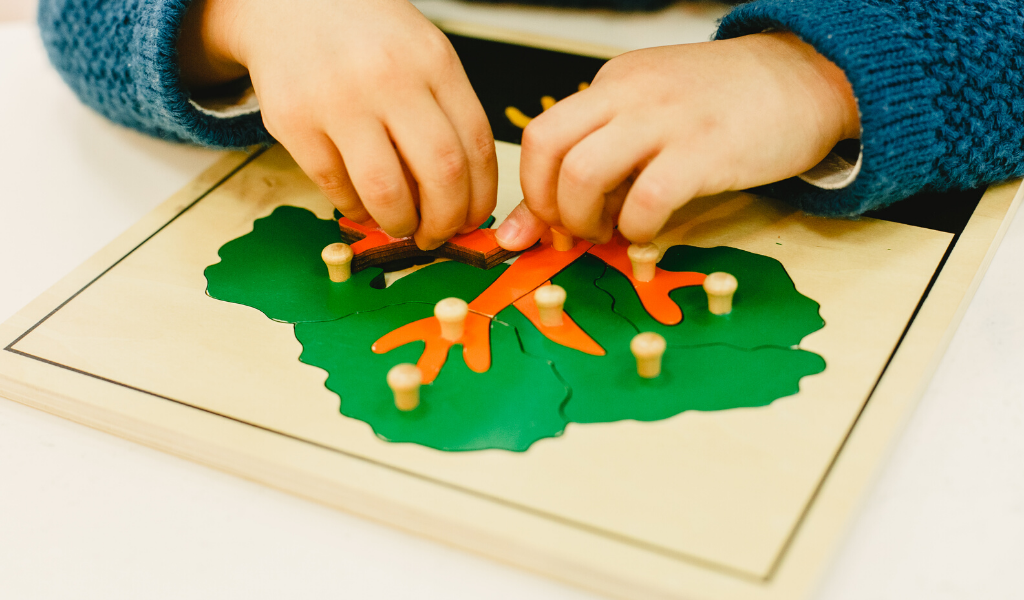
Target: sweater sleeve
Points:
(939, 85)
(120, 58)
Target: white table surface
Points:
(84, 514)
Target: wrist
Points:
(826, 84)
(208, 45)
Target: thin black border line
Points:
(695, 560)
(495, 499)
(216, 185)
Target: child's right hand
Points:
(660, 126)
(369, 98)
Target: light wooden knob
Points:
(720, 288)
(338, 258)
(550, 301)
(648, 348)
(645, 260)
(405, 380)
(561, 240)
(451, 312)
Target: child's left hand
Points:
(661, 126)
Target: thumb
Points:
(521, 229)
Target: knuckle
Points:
(481, 146)
(439, 49)
(544, 208)
(375, 69)
(282, 115)
(380, 190)
(450, 165)
(649, 196)
(604, 72)
(276, 123)
(577, 171)
(536, 137)
(611, 68)
(333, 183)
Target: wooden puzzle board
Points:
(742, 503)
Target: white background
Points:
(87, 515)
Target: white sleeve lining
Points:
(834, 172)
(228, 106)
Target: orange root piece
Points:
(531, 270)
(568, 334)
(654, 294)
(475, 341)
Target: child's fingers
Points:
(613, 202)
(520, 229)
(546, 141)
(596, 166)
(319, 158)
(435, 157)
(669, 181)
(458, 101)
(376, 174)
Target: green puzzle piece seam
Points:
(706, 376)
(767, 308)
(455, 414)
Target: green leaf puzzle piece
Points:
(461, 410)
(277, 270)
(704, 377)
(767, 308)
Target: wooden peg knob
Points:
(561, 240)
(648, 349)
(451, 312)
(405, 380)
(550, 301)
(720, 288)
(645, 260)
(339, 261)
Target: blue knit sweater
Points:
(939, 83)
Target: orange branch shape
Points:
(568, 334)
(475, 341)
(654, 294)
(531, 270)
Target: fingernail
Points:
(508, 231)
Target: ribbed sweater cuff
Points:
(887, 67)
(159, 84)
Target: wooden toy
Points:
(550, 300)
(338, 258)
(720, 288)
(451, 313)
(648, 348)
(561, 240)
(644, 258)
(374, 248)
(405, 380)
(732, 474)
